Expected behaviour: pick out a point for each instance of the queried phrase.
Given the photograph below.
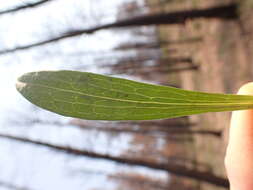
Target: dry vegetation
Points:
(224, 58)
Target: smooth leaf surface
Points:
(98, 97)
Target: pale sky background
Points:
(40, 168)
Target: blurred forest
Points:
(191, 44)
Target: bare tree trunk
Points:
(182, 122)
(158, 65)
(133, 63)
(147, 182)
(157, 44)
(163, 125)
(178, 17)
(146, 131)
(138, 181)
(154, 69)
(194, 132)
(171, 168)
(23, 7)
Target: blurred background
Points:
(192, 44)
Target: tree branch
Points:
(171, 168)
(178, 17)
(23, 7)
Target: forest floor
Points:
(224, 58)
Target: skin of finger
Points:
(239, 155)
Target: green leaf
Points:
(98, 97)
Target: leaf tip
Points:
(20, 86)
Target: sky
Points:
(40, 168)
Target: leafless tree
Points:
(128, 63)
(155, 69)
(171, 168)
(157, 44)
(25, 6)
(178, 17)
(171, 130)
(127, 177)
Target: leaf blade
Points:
(98, 97)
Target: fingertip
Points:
(246, 89)
(239, 155)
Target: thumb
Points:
(239, 156)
